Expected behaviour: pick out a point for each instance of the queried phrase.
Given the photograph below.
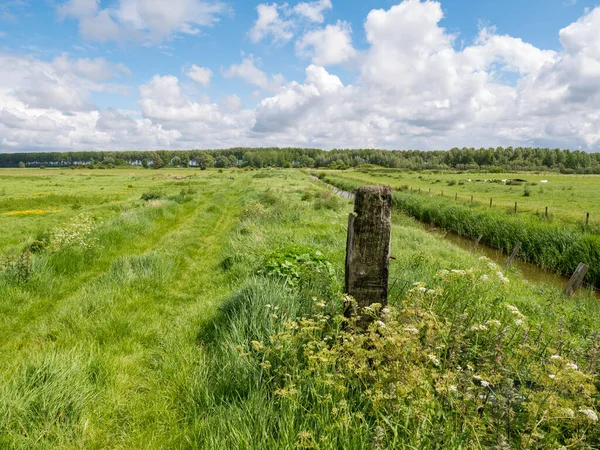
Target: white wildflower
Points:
(514, 310)
(443, 272)
(470, 367)
(572, 366)
(380, 324)
(569, 412)
(385, 311)
(485, 278)
(321, 304)
(590, 413)
(459, 272)
(479, 328)
(519, 322)
(493, 265)
(452, 388)
(485, 383)
(422, 289)
(430, 292)
(502, 277)
(434, 359)
(483, 258)
(552, 376)
(412, 330)
(494, 322)
(555, 357)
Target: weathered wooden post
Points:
(476, 242)
(368, 250)
(587, 219)
(442, 193)
(491, 202)
(576, 279)
(515, 207)
(546, 211)
(456, 197)
(471, 199)
(513, 255)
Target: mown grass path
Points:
(130, 319)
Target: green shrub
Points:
(16, 266)
(151, 196)
(297, 265)
(327, 200)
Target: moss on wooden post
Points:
(368, 250)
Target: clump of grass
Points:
(327, 200)
(151, 196)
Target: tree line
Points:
(490, 159)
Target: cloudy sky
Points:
(149, 74)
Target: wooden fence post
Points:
(515, 207)
(576, 279)
(368, 250)
(456, 197)
(471, 199)
(476, 242)
(546, 211)
(587, 219)
(513, 255)
(491, 202)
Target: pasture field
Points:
(555, 243)
(568, 197)
(201, 309)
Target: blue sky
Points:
(220, 35)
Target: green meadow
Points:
(179, 308)
(568, 197)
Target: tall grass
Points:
(555, 246)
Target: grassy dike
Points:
(555, 246)
(214, 323)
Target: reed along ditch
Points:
(529, 271)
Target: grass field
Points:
(208, 316)
(555, 243)
(568, 197)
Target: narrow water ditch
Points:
(530, 272)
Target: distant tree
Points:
(222, 161)
(204, 160)
(21, 165)
(176, 161)
(145, 163)
(42, 166)
(158, 162)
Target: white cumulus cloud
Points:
(200, 75)
(141, 19)
(330, 45)
(248, 72)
